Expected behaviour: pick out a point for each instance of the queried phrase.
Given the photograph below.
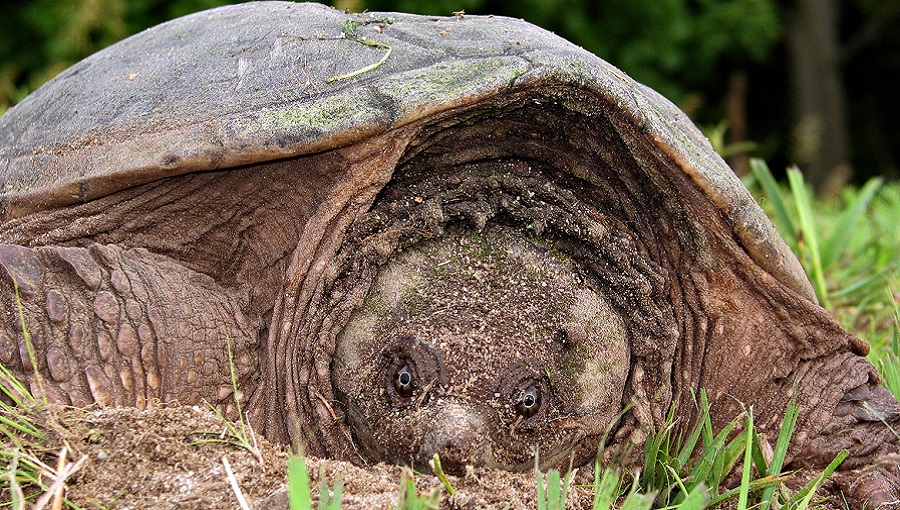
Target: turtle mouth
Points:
(461, 438)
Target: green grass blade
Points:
(20, 423)
(759, 460)
(237, 401)
(895, 316)
(764, 176)
(539, 482)
(30, 347)
(16, 495)
(848, 222)
(349, 27)
(801, 499)
(895, 344)
(338, 493)
(707, 420)
(15, 390)
(553, 486)
(330, 499)
(688, 447)
(809, 236)
(733, 452)
(323, 490)
(712, 463)
(744, 493)
(656, 452)
(408, 499)
(299, 495)
(605, 487)
(760, 484)
(891, 374)
(636, 501)
(337, 500)
(439, 473)
(781, 445)
(862, 283)
(889, 365)
(564, 492)
(678, 482)
(696, 500)
(651, 453)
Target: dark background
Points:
(811, 82)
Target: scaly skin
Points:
(117, 326)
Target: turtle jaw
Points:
(466, 435)
(457, 433)
(462, 435)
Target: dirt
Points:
(150, 459)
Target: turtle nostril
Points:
(457, 438)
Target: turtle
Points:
(389, 236)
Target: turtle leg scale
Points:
(118, 326)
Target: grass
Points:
(19, 423)
(349, 28)
(300, 495)
(438, 471)
(553, 494)
(676, 469)
(237, 433)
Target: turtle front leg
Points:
(872, 487)
(865, 422)
(873, 477)
(117, 326)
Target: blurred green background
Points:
(812, 82)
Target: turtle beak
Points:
(459, 437)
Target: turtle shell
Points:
(265, 81)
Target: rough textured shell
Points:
(255, 83)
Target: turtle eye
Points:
(403, 381)
(409, 365)
(530, 402)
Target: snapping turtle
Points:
(409, 235)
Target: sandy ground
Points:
(150, 459)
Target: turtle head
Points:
(482, 348)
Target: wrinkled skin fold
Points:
(140, 255)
